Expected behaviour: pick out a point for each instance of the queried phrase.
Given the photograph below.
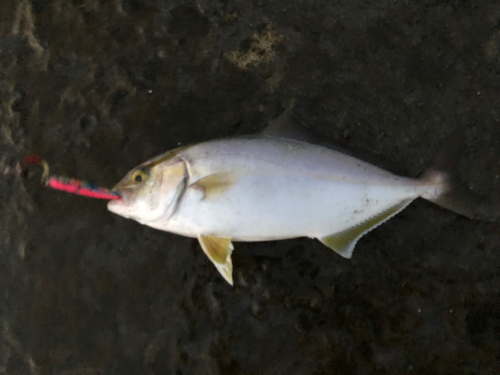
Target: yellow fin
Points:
(219, 252)
(343, 242)
(215, 184)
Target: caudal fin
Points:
(452, 193)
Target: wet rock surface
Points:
(98, 87)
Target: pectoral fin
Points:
(215, 184)
(219, 252)
(343, 242)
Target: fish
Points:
(272, 186)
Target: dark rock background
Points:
(98, 87)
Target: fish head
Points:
(150, 191)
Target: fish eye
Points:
(139, 176)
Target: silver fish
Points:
(268, 187)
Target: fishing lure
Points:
(71, 185)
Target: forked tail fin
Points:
(452, 193)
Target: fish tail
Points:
(446, 189)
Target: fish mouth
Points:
(126, 194)
(119, 206)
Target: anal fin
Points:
(219, 250)
(343, 243)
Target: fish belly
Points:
(277, 206)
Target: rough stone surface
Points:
(99, 86)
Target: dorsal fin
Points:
(288, 126)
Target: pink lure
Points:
(71, 185)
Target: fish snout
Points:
(126, 195)
(120, 206)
